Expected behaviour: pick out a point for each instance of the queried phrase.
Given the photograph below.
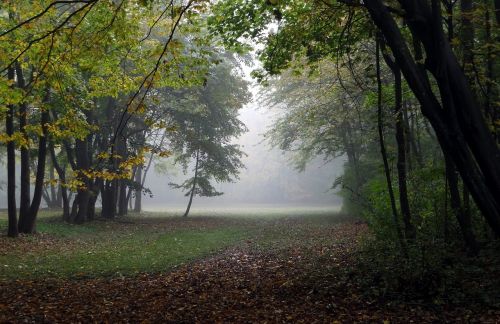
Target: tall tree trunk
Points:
(53, 193)
(121, 184)
(138, 192)
(446, 217)
(105, 199)
(11, 168)
(62, 179)
(460, 213)
(150, 162)
(46, 197)
(497, 11)
(25, 196)
(83, 194)
(191, 195)
(410, 232)
(94, 194)
(412, 132)
(384, 152)
(58, 201)
(28, 225)
(130, 189)
(109, 199)
(122, 198)
(460, 129)
(491, 90)
(467, 38)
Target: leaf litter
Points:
(292, 271)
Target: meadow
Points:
(146, 242)
(225, 265)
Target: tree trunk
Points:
(94, 194)
(25, 196)
(46, 197)
(74, 209)
(191, 195)
(121, 150)
(62, 179)
(28, 224)
(82, 205)
(122, 198)
(384, 152)
(11, 168)
(411, 130)
(53, 193)
(109, 199)
(497, 11)
(58, 201)
(446, 217)
(467, 38)
(462, 216)
(83, 195)
(491, 90)
(410, 232)
(130, 188)
(460, 129)
(138, 192)
(150, 162)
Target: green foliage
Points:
(206, 122)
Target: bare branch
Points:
(149, 77)
(40, 14)
(49, 33)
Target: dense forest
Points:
(94, 92)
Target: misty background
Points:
(269, 178)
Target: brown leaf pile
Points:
(299, 283)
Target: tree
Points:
(207, 121)
(88, 86)
(305, 29)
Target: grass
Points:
(100, 248)
(121, 256)
(150, 242)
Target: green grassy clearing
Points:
(150, 242)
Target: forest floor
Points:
(300, 268)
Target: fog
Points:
(269, 179)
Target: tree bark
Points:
(94, 194)
(460, 129)
(28, 225)
(410, 232)
(109, 199)
(383, 151)
(138, 192)
(460, 213)
(11, 168)
(191, 195)
(53, 193)
(62, 179)
(497, 11)
(121, 184)
(491, 90)
(83, 195)
(25, 196)
(122, 198)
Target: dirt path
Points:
(300, 281)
